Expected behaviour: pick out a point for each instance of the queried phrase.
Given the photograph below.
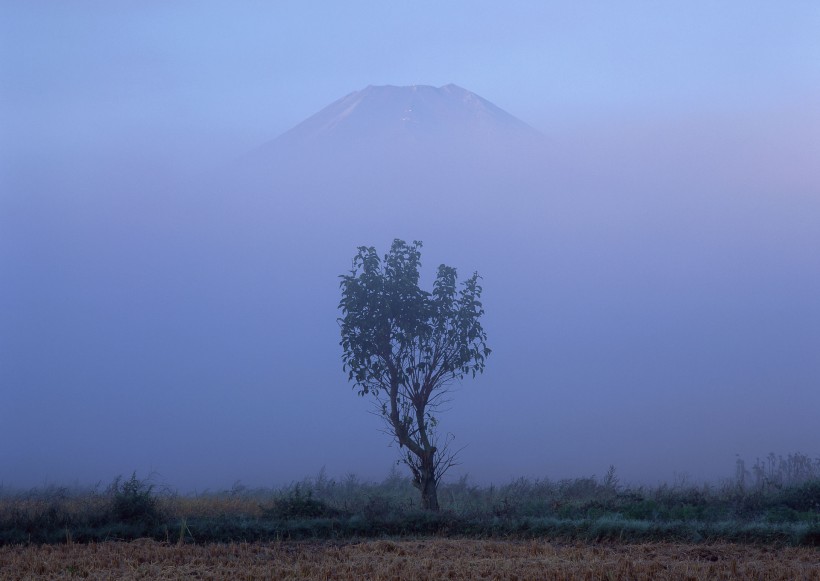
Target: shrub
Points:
(804, 497)
(133, 501)
(298, 506)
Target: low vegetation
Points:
(775, 501)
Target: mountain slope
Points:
(419, 113)
(404, 149)
(415, 123)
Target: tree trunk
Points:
(427, 484)
(429, 495)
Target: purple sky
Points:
(653, 306)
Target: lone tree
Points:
(404, 346)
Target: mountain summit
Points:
(415, 114)
(416, 143)
(388, 122)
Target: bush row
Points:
(584, 509)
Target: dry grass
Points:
(408, 559)
(211, 506)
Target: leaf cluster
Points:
(394, 334)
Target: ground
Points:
(414, 560)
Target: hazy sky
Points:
(228, 75)
(147, 326)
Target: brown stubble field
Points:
(408, 559)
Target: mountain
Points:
(416, 114)
(404, 126)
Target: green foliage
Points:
(321, 507)
(804, 497)
(645, 509)
(132, 501)
(299, 506)
(394, 333)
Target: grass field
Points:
(764, 524)
(410, 559)
(586, 528)
(780, 506)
